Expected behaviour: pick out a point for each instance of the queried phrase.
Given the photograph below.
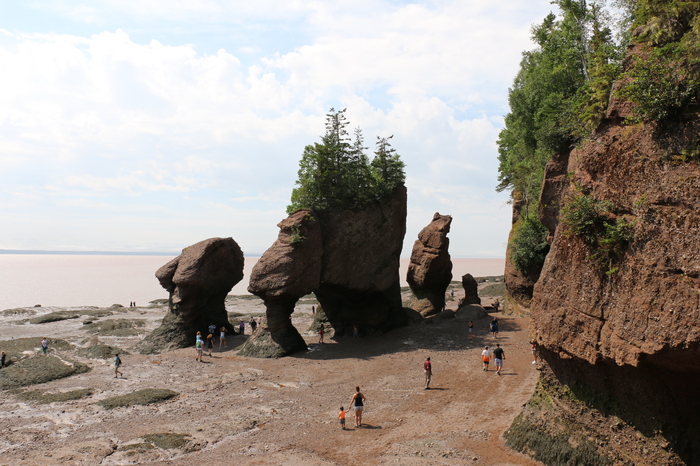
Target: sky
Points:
(150, 125)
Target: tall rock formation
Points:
(349, 259)
(471, 289)
(289, 269)
(198, 281)
(430, 269)
(619, 333)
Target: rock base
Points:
(263, 344)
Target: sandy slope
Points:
(247, 411)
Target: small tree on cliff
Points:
(337, 174)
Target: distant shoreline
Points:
(39, 252)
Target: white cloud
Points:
(210, 144)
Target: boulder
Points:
(348, 259)
(288, 270)
(430, 269)
(198, 281)
(471, 290)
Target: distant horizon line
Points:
(146, 253)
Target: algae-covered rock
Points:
(23, 348)
(117, 327)
(39, 369)
(141, 397)
(41, 397)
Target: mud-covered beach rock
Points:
(198, 281)
(430, 269)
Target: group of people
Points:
(498, 356)
(253, 323)
(211, 340)
(357, 404)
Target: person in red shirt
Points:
(428, 369)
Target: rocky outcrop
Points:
(198, 281)
(288, 270)
(621, 336)
(430, 269)
(471, 290)
(349, 259)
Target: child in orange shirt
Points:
(341, 417)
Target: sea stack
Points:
(430, 270)
(198, 281)
(349, 259)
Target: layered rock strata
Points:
(198, 281)
(430, 269)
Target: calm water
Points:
(93, 280)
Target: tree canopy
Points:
(336, 173)
(558, 96)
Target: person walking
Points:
(486, 357)
(198, 347)
(210, 343)
(358, 403)
(471, 330)
(241, 327)
(341, 417)
(533, 348)
(321, 332)
(253, 325)
(44, 345)
(3, 360)
(222, 338)
(212, 330)
(428, 369)
(117, 365)
(494, 327)
(498, 356)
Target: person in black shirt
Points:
(498, 356)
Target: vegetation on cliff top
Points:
(336, 174)
(563, 87)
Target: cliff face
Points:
(625, 343)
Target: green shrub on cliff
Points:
(664, 81)
(597, 223)
(336, 174)
(529, 246)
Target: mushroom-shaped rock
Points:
(471, 290)
(430, 269)
(288, 270)
(198, 281)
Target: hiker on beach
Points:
(533, 348)
(471, 329)
(212, 329)
(253, 324)
(3, 360)
(44, 345)
(498, 356)
(496, 305)
(358, 403)
(198, 347)
(494, 327)
(321, 332)
(210, 343)
(117, 365)
(241, 327)
(486, 357)
(222, 338)
(428, 369)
